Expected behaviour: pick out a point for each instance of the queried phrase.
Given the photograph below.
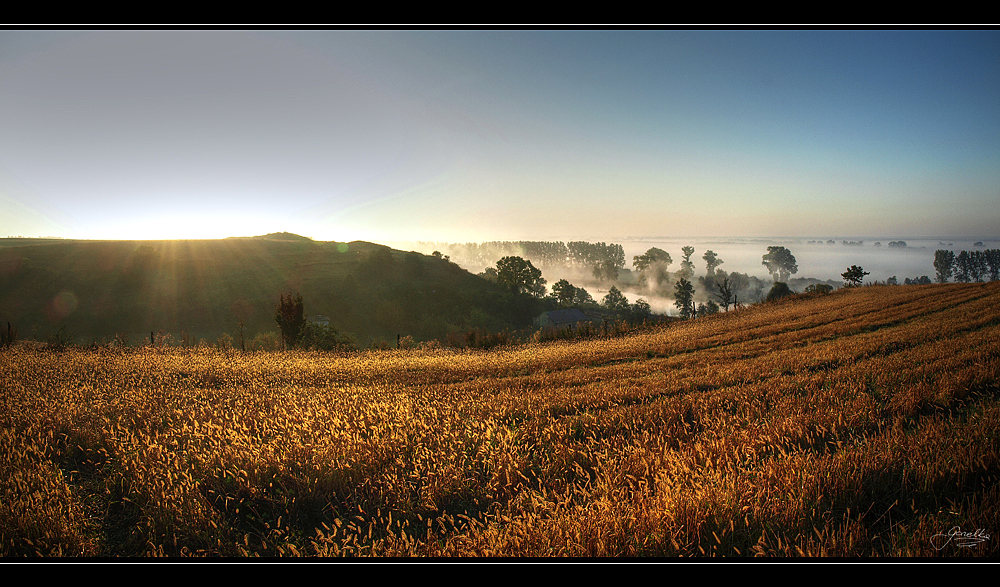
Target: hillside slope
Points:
(99, 289)
(861, 423)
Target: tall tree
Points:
(684, 296)
(712, 261)
(290, 316)
(687, 267)
(944, 264)
(963, 264)
(993, 262)
(651, 257)
(652, 264)
(977, 266)
(780, 263)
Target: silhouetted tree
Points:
(944, 264)
(653, 263)
(780, 263)
(712, 261)
(993, 262)
(581, 296)
(962, 266)
(640, 310)
(290, 316)
(651, 257)
(725, 294)
(854, 276)
(687, 267)
(520, 276)
(564, 292)
(977, 266)
(684, 296)
(615, 302)
(606, 270)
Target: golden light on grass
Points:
(856, 424)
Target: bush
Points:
(265, 341)
(321, 337)
(819, 289)
(778, 290)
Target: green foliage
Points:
(854, 276)
(520, 276)
(780, 263)
(290, 316)
(778, 290)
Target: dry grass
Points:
(857, 424)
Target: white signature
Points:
(962, 539)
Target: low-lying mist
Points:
(818, 260)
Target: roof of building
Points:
(571, 316)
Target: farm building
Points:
(561, 318)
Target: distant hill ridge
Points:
(100, 289)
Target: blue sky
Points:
(488, 135)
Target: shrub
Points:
(778, 290)
(819, 289)
(266, 341)
(322, 337)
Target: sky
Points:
(499, 135)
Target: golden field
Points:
(861, 423)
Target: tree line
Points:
(604, 260)
(967, 266)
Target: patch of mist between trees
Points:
(820, 259)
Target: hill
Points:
(194, 289)
(861, 423)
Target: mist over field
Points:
(817, 259)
